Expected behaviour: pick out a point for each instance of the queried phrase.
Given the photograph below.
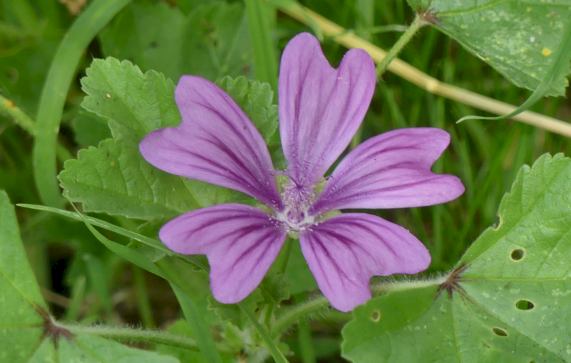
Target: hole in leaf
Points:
(500, 332)
(375, 316)
(524, 305)
(517, 254)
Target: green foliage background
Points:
(508, 308)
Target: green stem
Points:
(143, 300)
(265, 334)
(8, 108)
(297, 312)
(305, 342)
(134, 335)
(399, 45)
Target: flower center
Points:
(297, 200)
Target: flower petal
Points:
(344, 252)
(215, 143)
(320, 107)
(241, 243)
(391, 170)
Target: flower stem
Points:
(399, 45)
(134, 335)
(297, 312)
(266, 336)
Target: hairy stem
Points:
(400, 44)
(134, 335)
(417, 77)
(297, 312)
(9, 108)
(20, 118)
(276, 353)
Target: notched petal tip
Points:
(215, 143)
(392, 170)
(241, 242)
(320, 106)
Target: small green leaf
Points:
(506, 300)
(520, 39)
(115, 179)
(134, 103)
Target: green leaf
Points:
(506, 301)
(520, 39)
(92, 349)
(114, 178)
(211, 41)
(27, 332)
(133, 102)
(261, 19)
(20, 295)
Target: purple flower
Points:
(320, 110)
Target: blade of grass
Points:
(76, 300)
(101, 224)
(265, 60)
(365, 10)
(56, 87)
(143, 301)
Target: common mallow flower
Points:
(320, 109)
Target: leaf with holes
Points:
(27, 332)
(506, 301)
(523, 40)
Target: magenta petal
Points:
(241, 243)
(391, 170)
(320, 107)
(344, 252)
(215, 143)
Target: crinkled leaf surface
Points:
(212, 40)
(520, 39)
(512, 295)
(113, 177)
(25, 333)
